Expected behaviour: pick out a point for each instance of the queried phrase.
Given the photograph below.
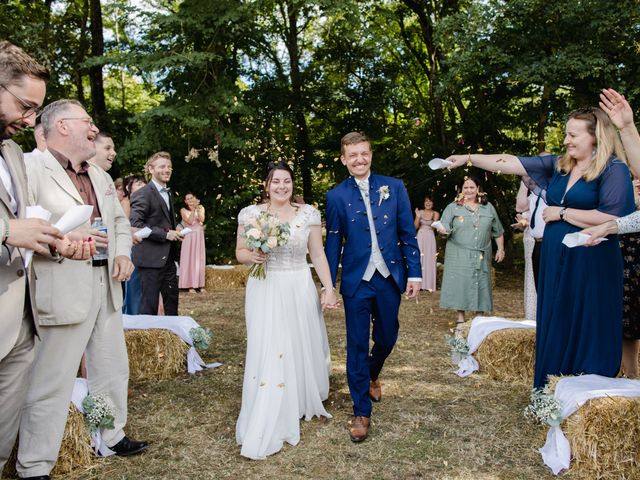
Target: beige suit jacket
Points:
(64, 293)
(13, 278)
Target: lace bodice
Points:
(293, 255)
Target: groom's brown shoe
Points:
(375, 390)
(359, 429)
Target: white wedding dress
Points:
(286, 375)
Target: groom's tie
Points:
(376, 261)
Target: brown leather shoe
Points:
(375, 390)
(359, 429)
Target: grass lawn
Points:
(430, 423)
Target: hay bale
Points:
(605, 438)
(509, 355)
(75, 451)
(227, 278)
(155, 354)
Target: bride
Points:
(287, 365)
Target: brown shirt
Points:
(80, 180)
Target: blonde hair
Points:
(153, 158)
(607, 143)
(353, 138)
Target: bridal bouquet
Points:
(98, 412)
(265, 232)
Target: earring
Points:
(593, 153)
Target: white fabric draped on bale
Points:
(572, 393)
(480, 329)
(80, 392)
(180, 325)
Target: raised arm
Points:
(503, 162)
(621, 115)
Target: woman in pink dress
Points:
(192, 252)
(427, 243)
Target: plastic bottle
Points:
(102, 253)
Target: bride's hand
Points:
(329, 300)
(258, 256)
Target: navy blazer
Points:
(149, 210)
(347, 224)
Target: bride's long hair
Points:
(271, 168)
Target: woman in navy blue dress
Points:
(579, 317)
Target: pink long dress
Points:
(192, 258)
(427, 245)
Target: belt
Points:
(100, 262)
(538, 240)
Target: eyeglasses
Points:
(82, 119)
(28, 109)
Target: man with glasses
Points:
(79, 303)
(22, 91)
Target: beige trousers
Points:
(15, 369)
(57, 359)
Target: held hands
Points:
(122, 268)
(499, 255)
(32, 233)
(329, 299)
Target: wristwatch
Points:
(563, 210)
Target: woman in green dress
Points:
(469, 223)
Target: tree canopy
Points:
(227, 85)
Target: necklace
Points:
(475, 214)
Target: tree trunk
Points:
(95, 72)
(542, 118)
(304, 151)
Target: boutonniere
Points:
(384, 193)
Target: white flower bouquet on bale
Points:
(544, 407)
(265, 232)
(98, 412)
(201, 337)
(459, 348)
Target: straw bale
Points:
(75, 451)
(509, 355)
(155, 354)
(226, 279)
(605, 438)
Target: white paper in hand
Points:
(143, 233)
(74, 217)
(577, 239)
(439, 163)
(185, 231)
(35, 211)
(438, 225)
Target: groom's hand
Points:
(413, 290)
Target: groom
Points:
(371, 216)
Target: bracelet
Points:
(563, 211)
(469, 162)
(322, 289)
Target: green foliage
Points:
(227, 85)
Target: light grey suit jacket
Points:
(14, 281)
(65, 289)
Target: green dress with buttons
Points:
(466, 283)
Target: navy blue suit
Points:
(379, 298)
